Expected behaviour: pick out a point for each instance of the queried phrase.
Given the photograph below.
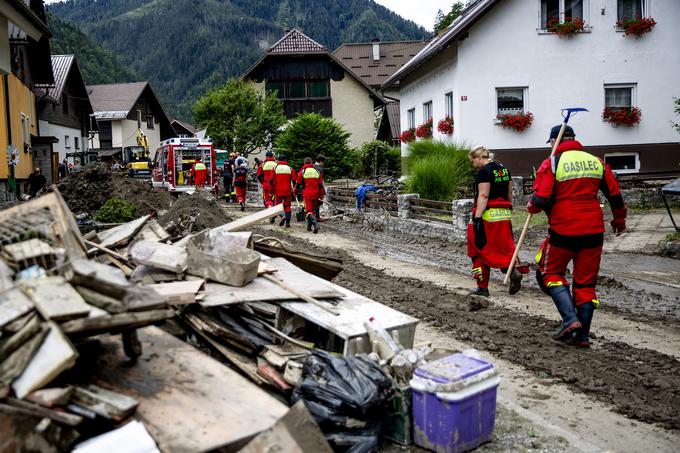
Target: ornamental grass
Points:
(439, 171)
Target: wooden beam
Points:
(107, 323)
(299, 295)
(18, 407)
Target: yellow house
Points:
(25, 66)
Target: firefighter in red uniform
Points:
(265, 173)
(241, 184)
(199, 173)
(281, 187)
(311, 182)
(566, 188)
(489, 237)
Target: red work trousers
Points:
(241, 194)
(267, 197)
(480, 272)
(553, 266)
(311, 205)
(285, 199)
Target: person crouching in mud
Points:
(489, 236)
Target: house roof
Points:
(61, 66)
(393, 55)
(296, 42)
(393, 115)
(115, 98)
(34, 13)
(473, 13)
(188, 127)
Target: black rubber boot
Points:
(309, 225)
(287, 219)
(565, 305)
(272, 220)
(484, 292)
(283, 221)
(585, 316)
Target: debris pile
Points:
(86, 190)
(65, 298)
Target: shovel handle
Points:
(519, 244)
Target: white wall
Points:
(60, 132)
(124, 133)
(505, 49)
(353, 109)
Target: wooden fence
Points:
(431, 210)
(374, 200)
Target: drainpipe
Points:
(7, 111)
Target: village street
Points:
(610, 398)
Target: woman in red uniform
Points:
(489, 238)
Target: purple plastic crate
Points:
(454, 403)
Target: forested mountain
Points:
(186, 47)
(97, 64)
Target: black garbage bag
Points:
(347, 398)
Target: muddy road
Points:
(628, 383)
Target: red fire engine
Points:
(174, 160)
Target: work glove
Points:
(532, 208)
(619, 222)
(480, 234)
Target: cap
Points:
(269, 154)
(282, 157)
(555, 131)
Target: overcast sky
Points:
(422, 12)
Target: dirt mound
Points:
(193, 213)
(87, 190)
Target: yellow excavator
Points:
(136, 158)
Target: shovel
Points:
(569, 112)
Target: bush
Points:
(311, 134)
(387, 158)
(439, 171)
(115, 210)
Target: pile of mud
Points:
(85, 191)
(193, 213)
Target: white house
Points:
(498, 57)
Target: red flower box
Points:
(408, 136)
(517, 121)
(636, 27)
(445, 126)
(425, 129)
(628, 117)
(567, 28)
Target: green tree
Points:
(238, 117)
(377, 158)
(677, 112)
(444, 20)
(311, 134)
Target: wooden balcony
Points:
(293, 107)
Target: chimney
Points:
(376, 49)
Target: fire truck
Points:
(174, 160)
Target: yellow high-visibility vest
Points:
(577, 164)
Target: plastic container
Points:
(454, 403)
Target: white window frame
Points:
(586, 15)
(67, 144)
(525, 98)
(645, 10)
(150, 124)
(25, 128)
(411, 118)
(633, 94)
(76, 142)
(427, 105)
(448, 103)
(630, 170)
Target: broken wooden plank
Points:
(295, 432)
(90, 326)
(16, 363)
(54, 298)
(152, 231)
(141, 298)
(39, 411)
(131, 437)
(179, 293)
(273, 377)
(121, 235)
(300, 295)
(174, 380)
(6, 276)
(96, 299)
(55, 355)
(159, 255)
(13, 343)
(13, 305)
(108, 251)
(251, 219)
(106, 403)
(27, 250)
(279, 355)
(126, 269)
(50, 397)
(100, 277)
